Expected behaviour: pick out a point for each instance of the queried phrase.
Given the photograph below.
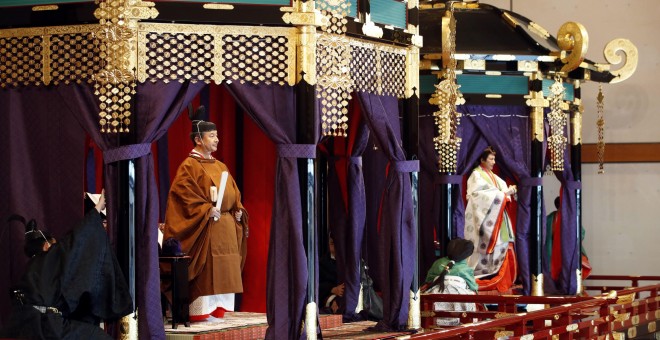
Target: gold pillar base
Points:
(537, 285)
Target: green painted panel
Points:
(427, 83)
(493, 84)
(569, 93)
(388, 12)
(480, 84)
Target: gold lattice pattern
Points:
(334, 24)
(334, 84)
(338, 7)
(557, 120)
(256, 59)
(115, 82)
(215, 53)
(74, 57)
(178, 56)
(378, 68)
(20, 61)
(600, 123)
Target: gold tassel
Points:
(601, 129)
(447, 96)
(557, 120)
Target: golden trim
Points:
(45, 8)
(128, 327)
(46, 76)
(47, 30)
(503, 334)
(494, 96)
(576, 128)
(225, 7)
(600, 125)
(537, 102)
(651, 327)
(632, 332)
(537, 285)
(612, 56)
(579, 288)
(634, 320)
(427, 313)
(538, 30)
(572, 327)
(573, 37)
(412, 72)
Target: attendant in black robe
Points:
(331, 291)
(69, 285)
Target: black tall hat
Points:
(199, 125)
(459, 249)
(90, 203)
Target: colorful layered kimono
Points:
(488, 226)
(217, 248)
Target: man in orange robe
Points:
(216, 239)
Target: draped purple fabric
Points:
(273, 108)
(42, 153)
(429, 194)
(507, 129)
(348, 225)
(158, 105)
(397, 221)
(571, 255)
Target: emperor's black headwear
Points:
(34, 238)
(199, 126)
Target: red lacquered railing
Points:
(574, 318)
(634, 280)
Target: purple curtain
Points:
(273, 108)
(348, 225)
(571, 255)
(157, 106)
(42, 153)
(397, 233)
(429, 196)
(507, 129)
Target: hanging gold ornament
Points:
(115, 83)
(557, 119)
(447, 96)
(600, 123)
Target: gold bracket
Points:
(572, 37)
(612, 56)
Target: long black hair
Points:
(484, 155)
(458, 249)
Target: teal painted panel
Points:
(493, 84)
(427, 83)
(388, 12)
(569, 93)
(327, 4)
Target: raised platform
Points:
(251, 326)
(235, 326)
